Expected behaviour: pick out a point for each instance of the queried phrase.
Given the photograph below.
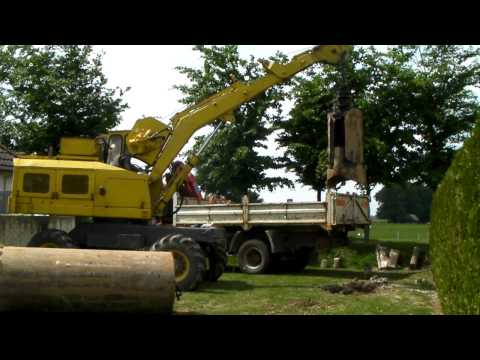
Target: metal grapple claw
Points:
(345, 148)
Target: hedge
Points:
(455, 232)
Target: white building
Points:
(6, 168)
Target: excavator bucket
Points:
(72, 280)
(345, 148)
(147, 138)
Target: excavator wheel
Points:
(189, 258)
(217, 263)
(52, 238)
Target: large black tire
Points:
(52, 238)
(190, 260)
(254, 257)
(217, 263)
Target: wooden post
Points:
(393, 258)
(382, 257)
(415, 258)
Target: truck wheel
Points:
(254, 257)
(190, 261)
(217, 262)
(52, 238)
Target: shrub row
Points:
(455, 232)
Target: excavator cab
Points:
(345, 148)
(144, 142)
(111, 148)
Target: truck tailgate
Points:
(346, 209)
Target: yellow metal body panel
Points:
(64, 164)
(78, 146)
(59, 157)
(109, 192)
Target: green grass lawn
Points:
(237, 293)
(416, 233)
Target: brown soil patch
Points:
(437, 306)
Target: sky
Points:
(149, 70)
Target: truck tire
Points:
(189, 258)
(254, 257)
(217, 261)
(52, 238)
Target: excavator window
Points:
(102, 148)
(114, 149)
(36, 183)
(75, 184)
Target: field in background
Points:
(411, 292)
(384, 231)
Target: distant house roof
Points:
(6, 159)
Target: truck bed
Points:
(338, 209)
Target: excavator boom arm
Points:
(222, 105)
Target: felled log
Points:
(59, 280)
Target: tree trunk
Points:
(366, 233)
(366, 229)
(319, 195)
(368, 190)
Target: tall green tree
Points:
(47, 92)
(399, 201)
(440, 106)
(303, 133)
(303, 136)
(417, 103)
(231, 165)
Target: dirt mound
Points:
(360, 286)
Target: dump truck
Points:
(286, 236)
(277, 236)
(99, 181)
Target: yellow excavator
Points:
(114, 199)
